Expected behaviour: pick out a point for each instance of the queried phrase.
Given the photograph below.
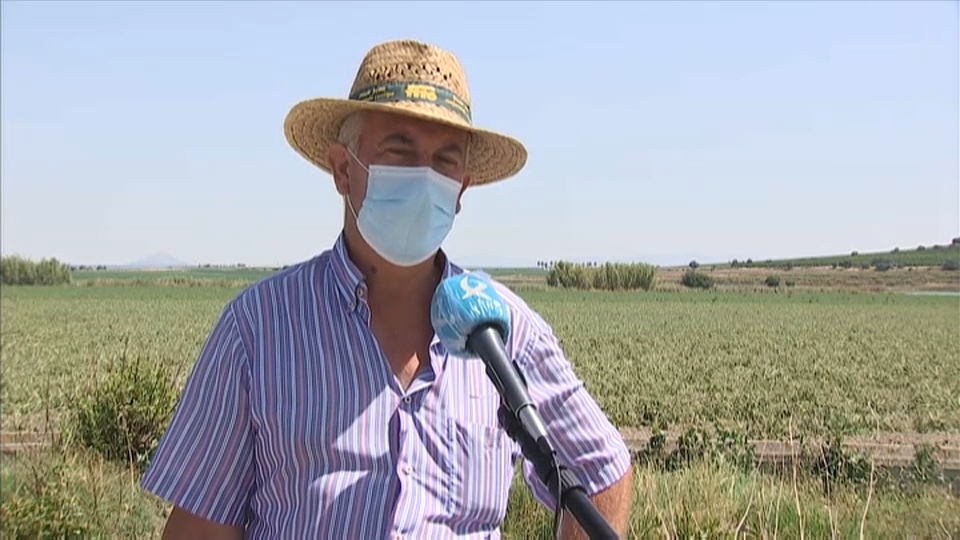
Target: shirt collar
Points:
(350, 283)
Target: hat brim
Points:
(313, 125)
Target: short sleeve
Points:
(204, 462)
(585, 439)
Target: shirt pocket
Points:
(481, 473)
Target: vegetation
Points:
(697, 280)
(121, 413)
(718, 500)
(854, 362)
(934, 255)
(102, 366)
(606, 277)
(16, 270)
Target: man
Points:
(322, 404)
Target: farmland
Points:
(784, 364)
(930, 256)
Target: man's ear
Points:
(339, 160)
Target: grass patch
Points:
(710, 499)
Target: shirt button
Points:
(407, 469)
(407, 399)
(398, 536)
(359, 292)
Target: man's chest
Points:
(333, 425)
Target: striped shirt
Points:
(292, 424)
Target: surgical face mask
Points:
(407, 212)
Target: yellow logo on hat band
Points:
(414, 91)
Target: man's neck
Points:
(390, 283)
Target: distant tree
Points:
(955, 241)
(772, 281)
(882, 265)
(16, 270)
(854, 253)
(696, 280)
(921, 248)
(895, 250)
(694, 265)
(609, 276)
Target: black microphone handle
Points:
(573, 496)
(487, 342)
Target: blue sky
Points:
(657, 132)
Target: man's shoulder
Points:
(291, 283)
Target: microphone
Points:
(471, 320)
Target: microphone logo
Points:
(471, 291)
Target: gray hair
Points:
(349, 135)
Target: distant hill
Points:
(157, 261)
(932, 255)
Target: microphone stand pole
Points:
(573, 496)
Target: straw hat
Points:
(412, 78)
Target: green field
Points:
(934, 255)
(760, 365)
(757, 361)
(209, 276)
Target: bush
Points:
(52, 494)
(772, 281)
(951, 265)
(123, 415)
(696, 280)
(43, 502)
(882, 265)
(16, 270)
(791, 283)
(608, 277)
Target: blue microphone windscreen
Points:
(460, 304)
